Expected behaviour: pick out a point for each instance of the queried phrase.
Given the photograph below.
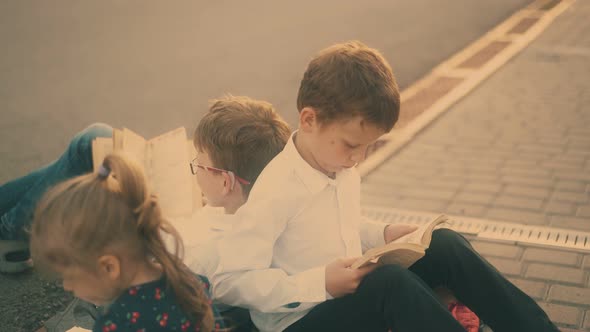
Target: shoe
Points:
(467, 318)
(78, 313)
(484, 328)
(14, 256)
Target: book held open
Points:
(78, 329)
(404, 251)
(165, 159)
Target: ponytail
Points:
(76, 220)
(150, 225)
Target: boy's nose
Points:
(359, 155)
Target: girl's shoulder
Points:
(206, 283)
(149, 306)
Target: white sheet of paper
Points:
(77, 329)
(170, 173)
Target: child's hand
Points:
(341, 279)
(393, 232)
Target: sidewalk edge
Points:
(394, 141)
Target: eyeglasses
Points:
(195, 165)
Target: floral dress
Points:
(150, 307)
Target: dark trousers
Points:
(237, 319)
(402, 300)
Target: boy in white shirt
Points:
(235, 140)
(283, 258)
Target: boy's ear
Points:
(307, 119)
(229, 182)
(110, 266)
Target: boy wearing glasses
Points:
(289, 254)
(235, 140)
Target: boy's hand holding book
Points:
(341, 279)
(404, 244)
(393, 232)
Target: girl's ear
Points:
(109, 266)
(307, 119)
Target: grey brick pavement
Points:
(516, 149)
(557, 279)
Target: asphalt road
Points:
(152, 66)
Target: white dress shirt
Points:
(296, 221)
(200, 233)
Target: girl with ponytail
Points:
(102, 234)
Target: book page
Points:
(134, 146)
(404, 250)
(197, 194)
(117, 139)
(169, 172)
(101, 146)
(78, 329)
(423, 234)
(436, 223)
(414, 237)
(405, 256)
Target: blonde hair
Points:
(79, 219)
(241, 135)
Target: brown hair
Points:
(241, 135)
(79, 220)
(349, 79)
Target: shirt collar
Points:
(223, 222)
(217, 219)
(314, 180)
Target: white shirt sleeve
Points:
(244, 277)
(202, 258)
(271, 290)
(372, 233)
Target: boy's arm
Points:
(376, 233)
(271, 290)
(202, 258)
(243, 276)
(372, 233)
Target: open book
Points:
(165, 159)
(403, 251)
(77, 329)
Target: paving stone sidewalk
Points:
(516, 149)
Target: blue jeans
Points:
(19, 197)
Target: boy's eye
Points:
(351, 146)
